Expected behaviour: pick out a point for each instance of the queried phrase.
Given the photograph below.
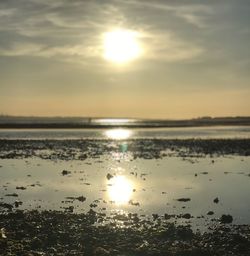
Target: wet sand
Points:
(27, 231)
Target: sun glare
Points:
(120, 190)
(121, 46)
(118, 134)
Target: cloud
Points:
(161, 48)
(168, 47)
(194, 14)
(39, 50)
(7, 12)
(73, 29)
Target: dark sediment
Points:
(57, 233)
(139, 148)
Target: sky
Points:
(194, 58)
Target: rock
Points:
(65, 172)
(18, 203)
(183, 199)
(204, 173)
(109, 176)
(225, 219)
(186, 216)
(81, 198)
(210, 213)
(2, 233)
(216, 200)
(131, 202)
(13, 194)
(155, 216)
(21, 188)
(69, 209)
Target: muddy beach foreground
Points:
(51, 232)
(56, 233)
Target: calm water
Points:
(118, 183)
(189, 132)
(153, 185)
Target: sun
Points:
(121, 46)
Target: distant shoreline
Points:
(10, 122)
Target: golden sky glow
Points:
(137, 58)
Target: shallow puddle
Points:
(182, 190)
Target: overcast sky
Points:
(195, 61)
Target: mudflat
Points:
(127, 197)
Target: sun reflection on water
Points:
(120, 190)
(118, 134)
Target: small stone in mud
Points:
(21, 188)
(69, 209)
(65, 172)
(183, 199)
(216, 200)
(204, 173)
(18, 203)
(109, 176)
(13, 194)
(131, 202)
(226, 218)
(81, 198)
(210, 213)
(196, 175)
(186, 216)
(155, 216)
